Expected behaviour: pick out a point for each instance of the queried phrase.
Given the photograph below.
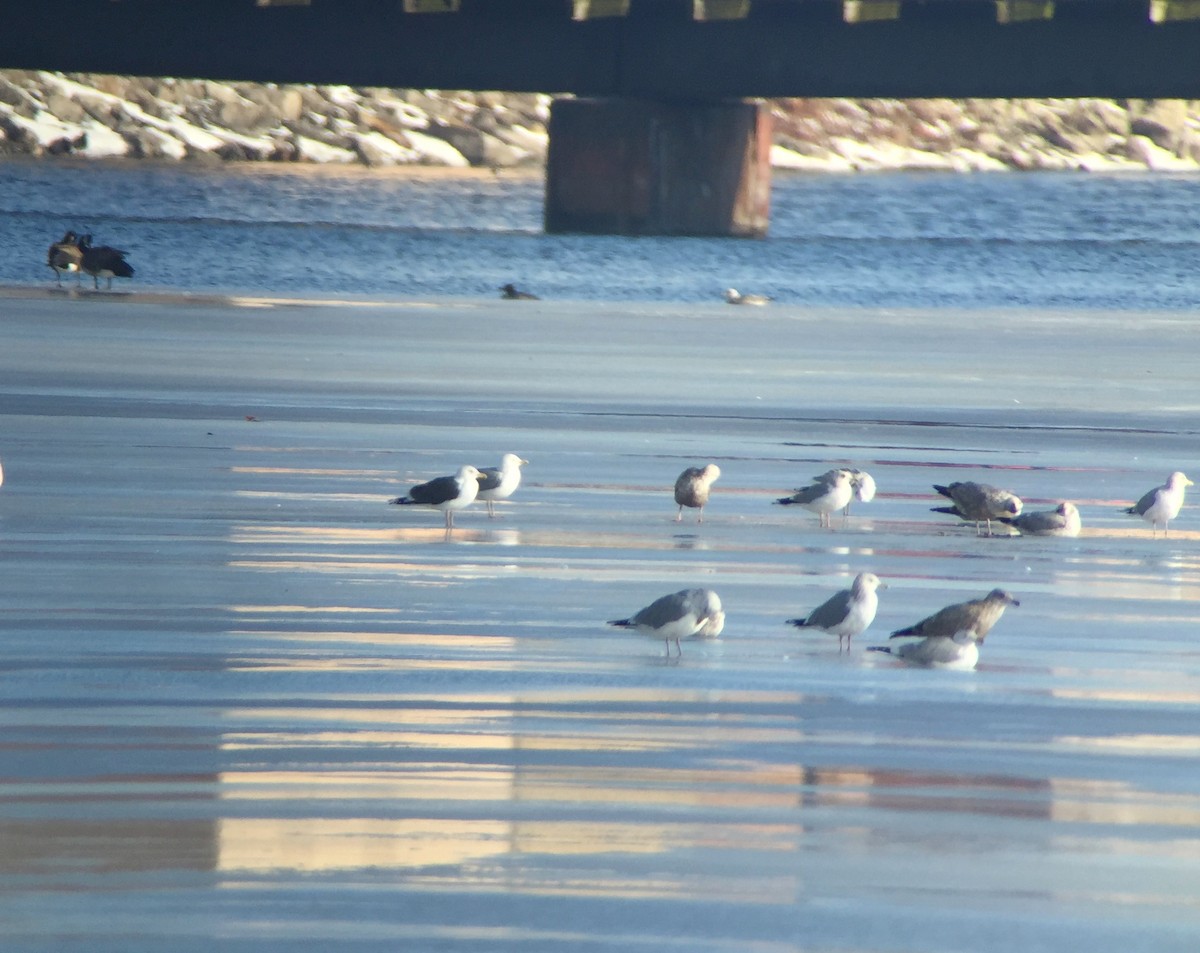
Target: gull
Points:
(103, 261)
(823, 498)
(978, 502)
(511, 292)
(684, 614)
(1063, 520)
(861, 482)
(733, 296)
(499, 483)
(64, 255)
(1162, 504)
(959, 651)
(446, 493)
(976, 615)
(692, 488)
(849, 612)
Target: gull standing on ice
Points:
(447, 493)
(681, 615)
(692, 488)
(823, 498)
(1162, 504)
(978, 503)
(861, 482)
(1063, 520)
(499, 483)
(849, 612)
(733, 296)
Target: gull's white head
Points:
(1177, 481)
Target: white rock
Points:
(1156, 158)
(315, 151)
(439, 151)
(102, 142)
(388, 150)
(789, 159)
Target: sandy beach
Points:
(248, 706)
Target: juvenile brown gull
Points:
(692, 488)
(978, 503)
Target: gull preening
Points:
(733, 296)
(1063, 520)
(446, 493)
(847, 613)
(689, 613)
(499, 483)
(1163, 503)
(692, 489)
(861, 482)
(978, 503)
(950, 638)
(823, 497)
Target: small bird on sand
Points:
(733, 296)
(692, 488)
(978, 503)
(823, 498)
(685, 614)
(1163, 503)
(446, 493)
(1063, 520)
(103, 261)
(511, 292)
(849, 612)
(64, 256)
(499, 483)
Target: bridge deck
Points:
(662, 49)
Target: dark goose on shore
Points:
(64, 255)
(103, 262)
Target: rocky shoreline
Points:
(96, 116)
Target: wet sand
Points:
(248, 706)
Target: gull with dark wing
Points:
(1063, 520)
(689, 613)
(499, 483)
(692, 489)
(849, 612)
(1163, 503)
(823, 497)
(446, 493)
(978, 503)
(950, 638)
(861, 483)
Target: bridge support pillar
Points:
(642, 167)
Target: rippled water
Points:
(246, 706)
(894, 240)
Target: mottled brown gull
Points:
(847, 613)
(978, 503)
(692, 489)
